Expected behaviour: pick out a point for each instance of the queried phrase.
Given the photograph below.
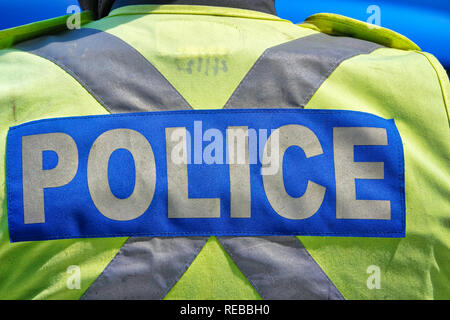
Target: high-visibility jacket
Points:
(170, 57)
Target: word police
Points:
(180, 205)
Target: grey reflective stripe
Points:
(280, 268)
(287, 76)
(122, 80)
(117, 75)
(145, 268)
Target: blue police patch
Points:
(199, 173)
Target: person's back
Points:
(178, 57)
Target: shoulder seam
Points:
(442, 81)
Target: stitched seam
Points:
(401, 177)
(219, 234)
(243, 15)
(212, 111)
(443, 90)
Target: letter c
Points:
(286, 206)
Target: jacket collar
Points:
(266, 6)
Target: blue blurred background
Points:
(425, 22)
(18, 12)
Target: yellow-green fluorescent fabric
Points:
(401, 83)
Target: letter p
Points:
(35, 178)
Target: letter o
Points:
(97, 174)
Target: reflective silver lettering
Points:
(179, 203)
(35, 179)
(286, 206)
(97, 173)
(240, 194)
(347, 170)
